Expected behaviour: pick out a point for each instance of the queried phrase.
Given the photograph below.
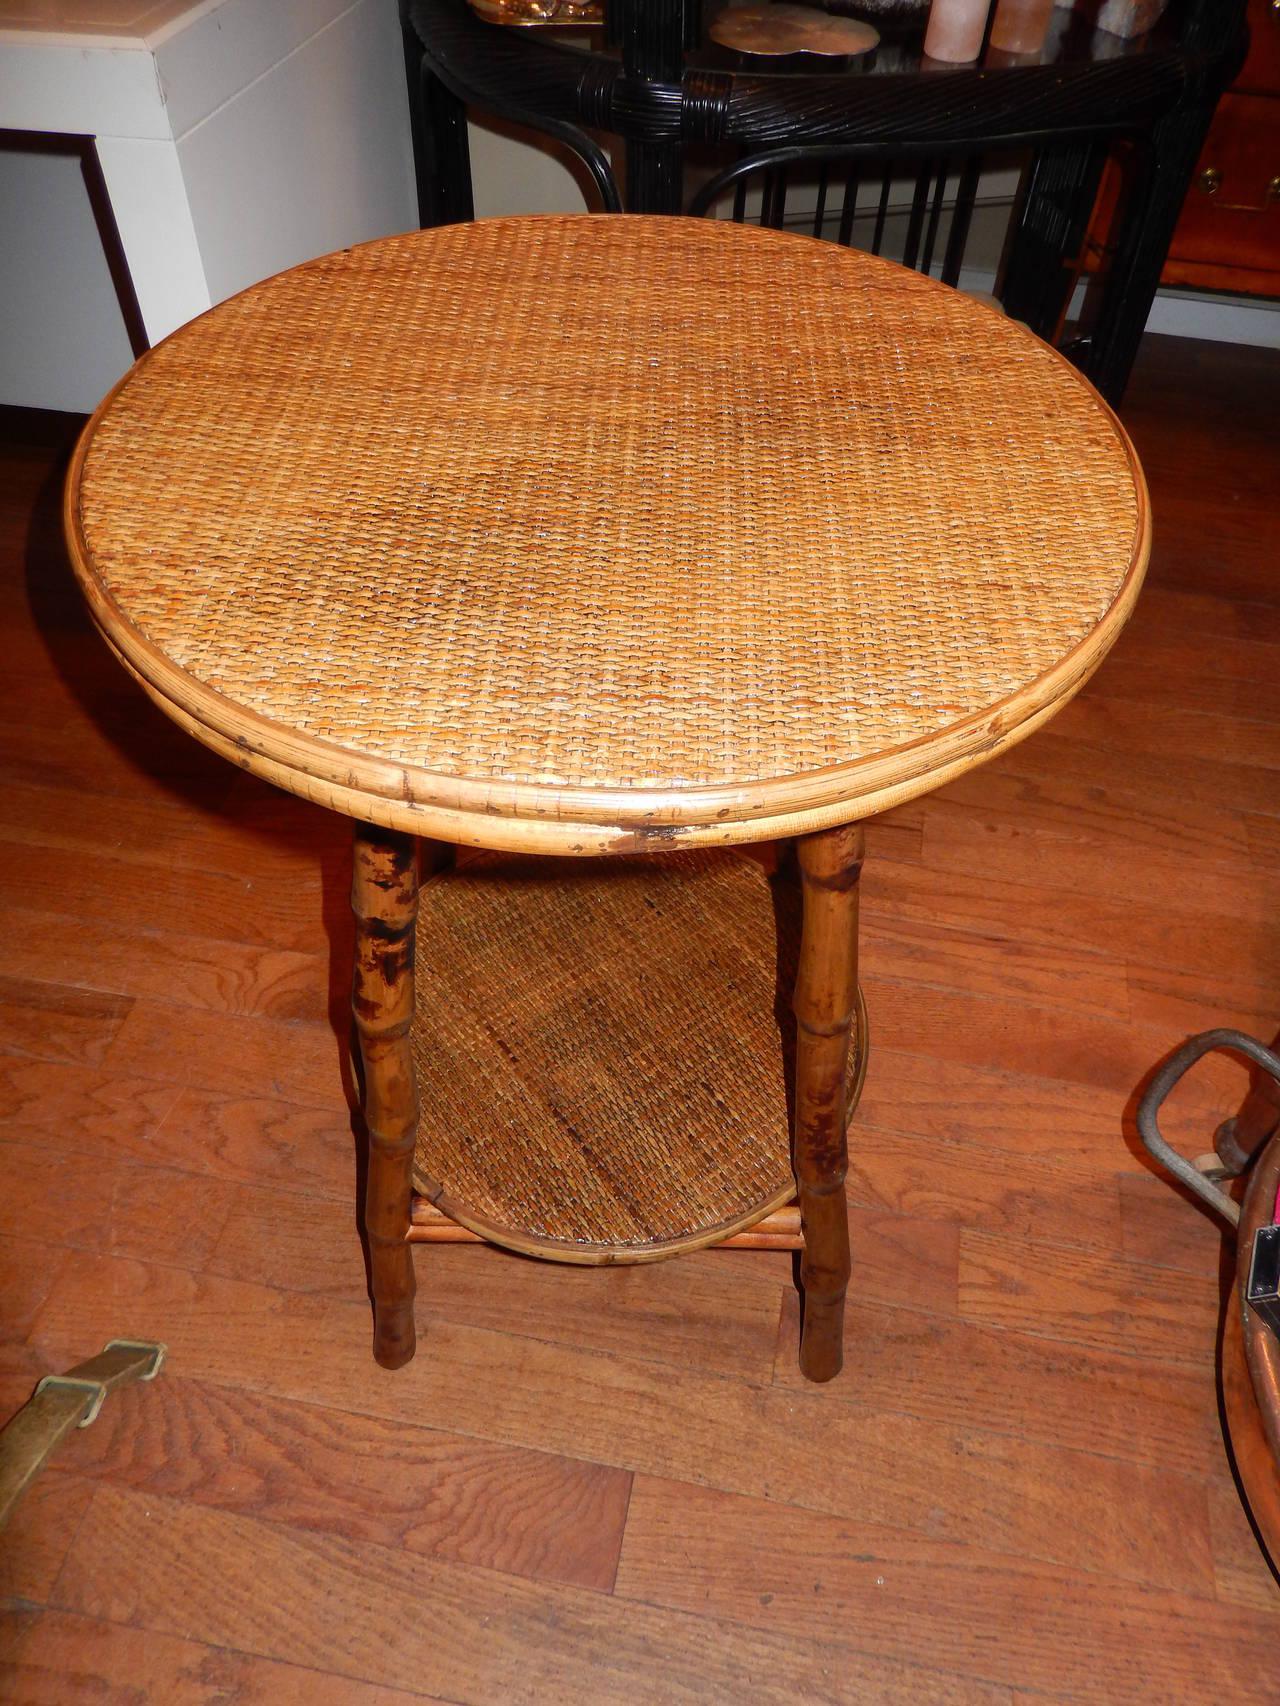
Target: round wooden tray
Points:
(602, 1051)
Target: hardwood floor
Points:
(613, 1486)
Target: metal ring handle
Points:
(1178, 1064)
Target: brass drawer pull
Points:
(61, 1402)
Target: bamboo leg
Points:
(825, 1003)
(384, 898)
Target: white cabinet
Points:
(232, 138)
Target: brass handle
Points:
(1210, 180)
(1273, 188)
(65, 1401)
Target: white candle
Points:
(955, 29)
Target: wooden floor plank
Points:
(79, 1107)
(912, 951)
(119, 1207)
(27, 1270)
(1198, 1000)
(1241, 1574)
(1166, 728)
(329, 1471)
(470, 1635)
(1014, 1036)
(1034, 909)
(40, 1534)
(1264, 840)
(1091, 1298)
(1154, 779)
(1165, 1227)
(943, 1477)
(247, 830)
(97, 953)
(63, 1659)
(104, 1117)
(1012, 849)
(1176, 612)
(923, 1099)
(293, 1060)
(1043, 793)
(673, 1312)
(190, 901)
(963, 1184)
(1160, 668)
(765, 1567)
(1023, 1383)
(52, 1021)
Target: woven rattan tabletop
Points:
(589, 534)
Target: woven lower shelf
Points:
(599, 1055)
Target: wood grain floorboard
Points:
(1036, 911)
(190, 901)
(1242, 1574)
(1011, 849)
(105, 1117)
(913, 951)
(1043, 793)
(1015, 1036)
(123, 1207)
(293, 1060)
(1154, 779)
(61, 1659)
(39, 1536)
(961, 1183)
(191, 1572)
(94, 953)
(1264, 840)
(911, 1091)
(1089, 1298)
(944, 1476)
(1020, 1382)
(330, 1471)
(1166, 1227)
(27, 1270)
(615, 1486)
(1197, 999)
(696, 1550)
(52, 1021)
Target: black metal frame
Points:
(1068, 114)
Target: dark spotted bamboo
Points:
(826, 997)
(384, 898)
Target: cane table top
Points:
(596, 534)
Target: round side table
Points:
(506, 537)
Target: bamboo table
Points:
(504, 536)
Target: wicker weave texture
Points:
(598, 1054)
(599, 503)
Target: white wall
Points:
(510, 175)
(62, 337)
(312, 156)
(267, 132)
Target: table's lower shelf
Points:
(599, 1051)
